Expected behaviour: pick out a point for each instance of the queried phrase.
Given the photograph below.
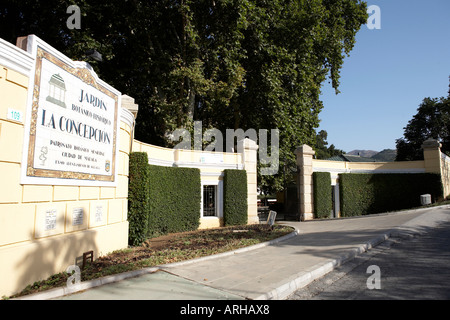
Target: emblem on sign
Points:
(73, 126)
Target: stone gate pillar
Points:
(249, 158)
(435, 162)
(304, 156)
(432, 156)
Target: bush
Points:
(138, 198)
(323, 202)
(362, 194)
(175, 196)
(235, 207)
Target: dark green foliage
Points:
(362, 194)
(431, 121)
(322, 194)
(231, 63)
(321, 149)
(235, 205)
(161, 199)
(175, 195)
(138, 198)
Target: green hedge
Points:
(166, 199)
(175, 196)
(235, 206)
(362, 194)
(138, 198)
(323, 201)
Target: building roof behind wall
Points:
(351, 158)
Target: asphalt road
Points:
(411, 268)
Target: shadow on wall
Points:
(52, 255)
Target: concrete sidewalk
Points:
(268, 271)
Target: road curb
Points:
(428, 218)
(409, 229)
(319, 270)
(85, 285)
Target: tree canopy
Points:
(432, 120)
(322, 151)
(231, 64)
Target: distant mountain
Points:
(363, 153)
(384, 156)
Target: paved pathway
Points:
(275, 271)
(269, 272)
(407, 268)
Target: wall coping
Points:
(16, 59)
(127, 117)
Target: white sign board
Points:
(50, 220)
(98, 214)
(77, 216)
(73, 125)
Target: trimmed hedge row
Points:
(138, 198)
(166, 199)
(161, 199)
(362, 194)
(235, 197)
(323, 202)
(175, 196)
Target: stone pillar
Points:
(432, 156)
(304, 156)
(434, 162)
(128, 103)
(249, 159)
(129, 117)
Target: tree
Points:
(250, 64)
(290, 48)
(322, 151)
(431, 121)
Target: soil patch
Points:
(166, 249)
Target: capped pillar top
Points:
(248, 144)
(431, 144)
(304, 150)
(129, 104)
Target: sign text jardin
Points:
(73, 131)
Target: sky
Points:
(388, 74)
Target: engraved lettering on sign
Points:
(77, 216)
(99, 214)
(73, 127)
(50, 220)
